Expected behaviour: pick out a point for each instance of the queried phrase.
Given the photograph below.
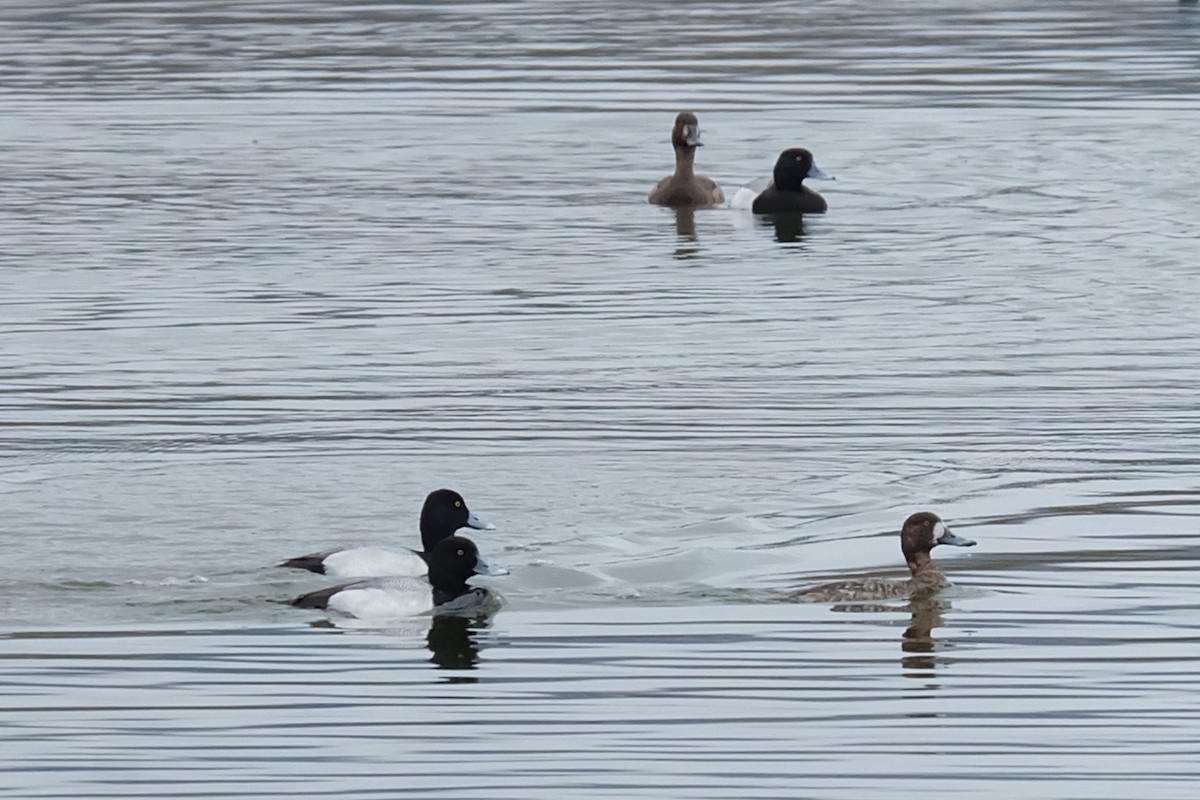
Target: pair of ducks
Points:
(786, 194)
(388, 586)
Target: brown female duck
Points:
(686, 189)
(921, 533)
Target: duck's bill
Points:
(483, 568)
(691, 135)
(952, 538)
(478, 524)
(816, 172)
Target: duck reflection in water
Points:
(918, 645)
(685, 223)
(917, 642)
(452, 642)
(788, 227)
(685, 230)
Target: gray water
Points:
(271, 272)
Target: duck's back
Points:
(361, 562)
(868, 589)
(774, 201)
(860, 591)
(678, 192)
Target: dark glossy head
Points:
(445, 512)
(452, 561)
(686, 133)
(792, 167)
(924, 531)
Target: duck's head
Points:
(454, 560)
(686, 133)
(924, 531)
(793, 166)
(445, 511)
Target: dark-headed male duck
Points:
(921, 533)
(787, 192)
(686, 189)
(443, 513)
(452, 561)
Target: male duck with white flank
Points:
(452, 561)
(444, 513)
(921, 533)
(686, 189)
(787, 193)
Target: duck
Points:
(452, 561)
(787, 192)
(444, 513)
(686, 189)
(921, 533)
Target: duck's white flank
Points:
(373, 562)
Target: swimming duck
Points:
(451, 562)
(787, 192)
(686, 189)
(921, 533)
(443, 513)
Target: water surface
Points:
(271, 272)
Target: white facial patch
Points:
(939, 531)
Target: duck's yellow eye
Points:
(458, 503)
(462, 552)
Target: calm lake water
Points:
(270, 272)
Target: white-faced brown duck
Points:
(686, 189)
(921, 533)
(787, 193)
